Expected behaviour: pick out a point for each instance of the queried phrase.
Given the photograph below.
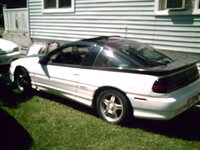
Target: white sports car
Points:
(118, 77)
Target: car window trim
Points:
(118, 69)
(74, 44)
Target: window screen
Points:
(49, 3)
(64, 3)
(174, 3)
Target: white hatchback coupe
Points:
(118, 77)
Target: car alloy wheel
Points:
(22, 79)
(113, 106)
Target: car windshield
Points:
(145, 53)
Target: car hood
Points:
(26, 61)
(6, 46)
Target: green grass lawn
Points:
(51, 123)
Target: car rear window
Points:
(110, 58)
(145, 54)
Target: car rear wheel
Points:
(113, 106)
(22, 80)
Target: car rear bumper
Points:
(8, 58)
(168, 106)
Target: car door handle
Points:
(76, 74)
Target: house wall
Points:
(134, 19)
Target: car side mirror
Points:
(43, 60)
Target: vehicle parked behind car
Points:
(9, 51)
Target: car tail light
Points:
(171, 83)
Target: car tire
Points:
(113, 106)
(22, 80)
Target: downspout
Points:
(28, 23)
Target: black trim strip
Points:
(158, 72)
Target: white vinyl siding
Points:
(134, 19)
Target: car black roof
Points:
(116, 42)
(101, 38)
(105, 40)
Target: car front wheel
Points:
(22, 80)
(113, 106)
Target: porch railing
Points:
(16, 19)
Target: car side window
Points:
(109, 58)
(67, 49)
(72, 55)
(91, 56)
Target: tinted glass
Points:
(145, 54)
(91, 56)
(70, 55)
(109, 58)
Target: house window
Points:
(49, 4)
(177, 7)
(175, 4)
(64, 3)
(52, 6)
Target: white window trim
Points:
(195, 11)
(58, 10)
